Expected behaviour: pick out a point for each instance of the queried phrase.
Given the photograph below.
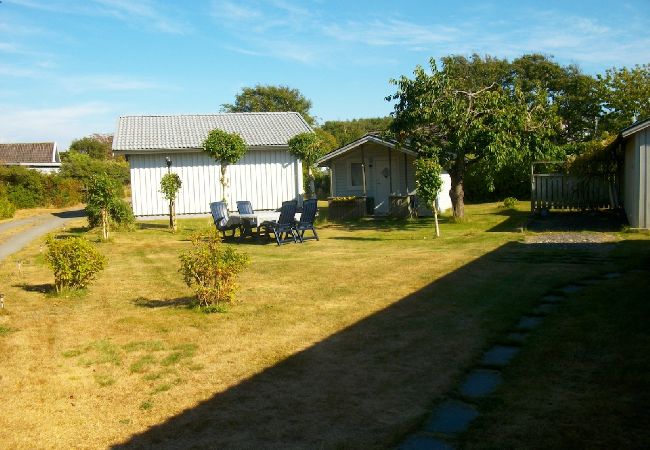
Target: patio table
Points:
(250, 221)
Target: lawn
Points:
(346, 342)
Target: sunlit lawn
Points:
(346, 342)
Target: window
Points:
(356, 174)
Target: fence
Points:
(564, 191)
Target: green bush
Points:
(75, 262)
(510, 202)
(104, 197)
(120, 215)
(82, 167)
(27, 188)
(211, 269)
(62, 192)
(7, 209)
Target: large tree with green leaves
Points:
(626, 96)
(346, 131)
(307, 147)
(466, 113)
(97, 146)
(227, 148)
(269, 98)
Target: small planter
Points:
(400, 206)
(346, 208)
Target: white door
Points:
(381, 181)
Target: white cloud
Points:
(61, 124)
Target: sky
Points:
(70, 68)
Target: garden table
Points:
(250, 221)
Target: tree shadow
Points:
(184, 302)
(575, 221)
(372, 382)
(515, 221)
(151, 226)
(73, 214)
(47, 288)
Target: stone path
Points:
(455, 414)
(43, 225)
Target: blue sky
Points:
(69, 68)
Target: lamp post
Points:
(168, 161)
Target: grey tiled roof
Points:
(189, 131)
(25, 153)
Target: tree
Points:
(626, 96)
(227, 148)
(269, 98)
(170, 184)
(466, 114)
(97, 146)
(346, 131)
(103, 193)
(307, 147)
(428, 183)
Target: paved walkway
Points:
(43, 224)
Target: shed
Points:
(267, 175)
(40, 156)
(634, 143)
(379, 169)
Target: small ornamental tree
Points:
(428, 183)
(102, 196)
(308, 147)
(170, 184)
(75, 262)
(227, 148)
(211, 269)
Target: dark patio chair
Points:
(283, 229)
(245, 207)
(222, 219)
(306, 222)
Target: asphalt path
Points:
(43, 224)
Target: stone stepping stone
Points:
(480, 383)
(553, 298)
(517, 336)
(612, 275)
(529, 322)
(422, 442)
(499, 355)
(571, 288)
(451, 417)
(545, 309)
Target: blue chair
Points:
(306, 222)
(222, 219)
(245, 207)
(283, 229)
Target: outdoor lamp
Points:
(168, 161)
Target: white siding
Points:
(265, 177)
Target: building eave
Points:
(363, 140)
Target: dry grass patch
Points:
(342, 342)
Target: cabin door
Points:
(381, 180)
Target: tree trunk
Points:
(104, 214)
(435, 216)
(224, 181)
(312, 187)
(457, 193)
(172, 215)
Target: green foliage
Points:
(211, 268)
(427, 180)
(7, 209)
(346, 131)
(307, 147)
(75, 262)
(170, 184)
(265, 98)
(626, 95)
(97, 146)
(83, 167)
(26, 188)
(104, 204)
(228, 148)
(510, 203)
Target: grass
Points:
(346, 342)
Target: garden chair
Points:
(306, 222)
(245, 207)
(222, 219)
(283, 229)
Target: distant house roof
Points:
(189, 131)
(38, 153)
(362, 140)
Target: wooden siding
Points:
(637, 179)
(560, 191)
(265, 177)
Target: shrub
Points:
(104, 205)
(510, 202)
(211, 269)
(63, 192)
(7, 209)
(25, 188)
(82, 168)
(75, 262)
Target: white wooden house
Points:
(378, 169)
(634, 143)
(267, 175)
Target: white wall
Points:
(264, 177)
(637, 179)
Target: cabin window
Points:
(356, 174)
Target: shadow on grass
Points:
(369, 384)
(151, 226)
(181, 302)
(575, 221)
(70, 214)
(515, 220)
(47, 288)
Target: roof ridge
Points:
(253, 113)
